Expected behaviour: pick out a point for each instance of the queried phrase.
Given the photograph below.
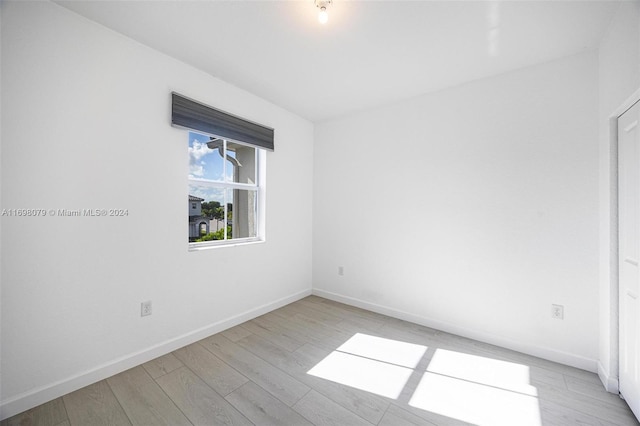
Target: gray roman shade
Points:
(196, 116)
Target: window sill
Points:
(217, 245)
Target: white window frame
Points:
(258, 187)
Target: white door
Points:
(629, 249)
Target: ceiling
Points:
(370, 53)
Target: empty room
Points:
(398, 212)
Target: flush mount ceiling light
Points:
(323, 16)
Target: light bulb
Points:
(323, 16)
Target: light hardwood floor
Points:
(319, 362)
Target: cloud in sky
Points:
(209, 194)
(204, 163)
(197, 151)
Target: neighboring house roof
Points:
(194, 198)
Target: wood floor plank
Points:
(51, 413)
(201, 404)
(307, 332)
(410, 334)
(211, 369)
(236, 333)
(275, 381)
(542, 378)
(597, 408)
(322, 315)
(263, 409)
(283, 312)
(361, 321)
(162, 365)
(271, 321)
(275, 334)
(143, 401)
(322, 334)
(553, 414)
(351, 326)
(432, 417)
(94, 405)
(348, 310)
(396, 416)
(593, 390)
(318, 325)
(322, 411)
(274, 355)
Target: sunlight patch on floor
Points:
(386, 350)
(369, 375)
(470, 388)
(372, 364)
(478, 369)
(478, 390)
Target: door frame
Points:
(609, 375)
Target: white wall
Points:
(490, 196)
(619, 77)
(86, 124)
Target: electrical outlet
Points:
(145, 308)
(557, 311)
(340, 270)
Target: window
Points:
(226, 157)
(223, 190)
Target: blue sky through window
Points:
(206, 163)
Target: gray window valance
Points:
(199, 117)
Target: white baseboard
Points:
(35, 397)
(538, 351)
(610, 383)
